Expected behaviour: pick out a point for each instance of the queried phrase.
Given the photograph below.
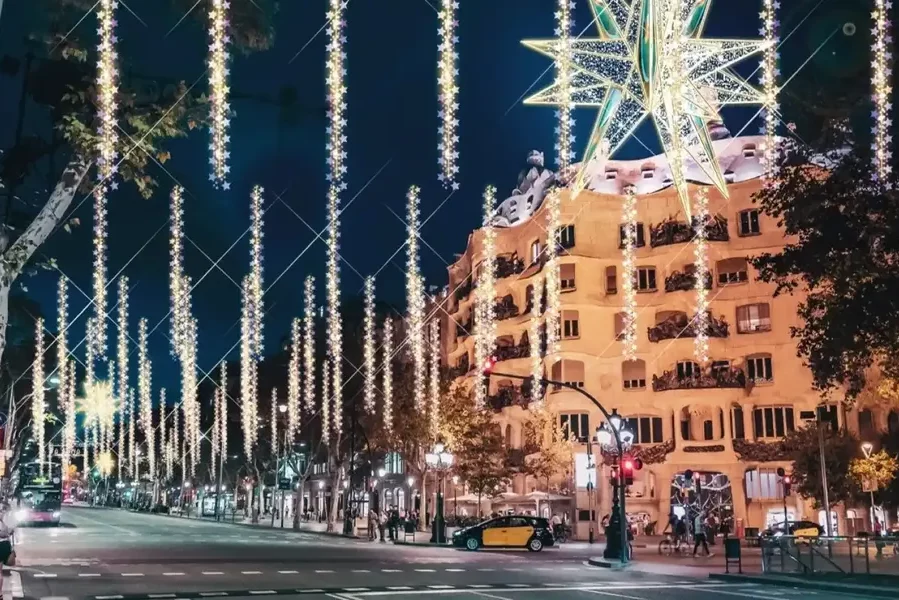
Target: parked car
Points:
(533, 533)
(801, 530)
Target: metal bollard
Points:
(851, 561)
(867, 559)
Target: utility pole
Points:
(828, 529)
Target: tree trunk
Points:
(14, 259)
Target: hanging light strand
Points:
(535, 338)
(565, 128)
(368, 348)
(216, 426)
(769, 75)
(629, 273)
(553, 284)
(223, 410)
(38, 395)
(335, 72)
(122, 342)
(132, 441)
(179, 285)
(415, 298)
(219, 108)
(485, 298)
(63, 373)
(701, 273)
(175, 438)
(882, 82)
(274, 424)
(189, 400)
(70, 430)
(326, 401)
(247, 372)
(145, 392)
(387, 373)
(165, 465)
(434, 378)
(309, 344)
(448, 86)
(293, 378)
(332, 284)
(256, 272)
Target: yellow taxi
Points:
(533, 533)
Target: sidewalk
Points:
(880, 586)
(264, 523)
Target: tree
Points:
(65, 82)
(880, 469)
(481, 458)
(843, 243)
(840, 449)
(548, 451)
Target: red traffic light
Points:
(787, 480)
(628, 465)
(488, 365)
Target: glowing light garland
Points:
(256, 284)
(415, 298)
(132, 442)
(165, 464)
(293, 378)
(216, 426)
(485, 295)
(621, 73)
(368, 348)
(179, 284)
(326, 402)
(274, 440)
(534, 337)
(66, 401)
(190, 403)
(248, 404)
(309, 344)
(223, 410)
(335, 72)
(553, 283)
(69, 432)
(881, 80)
(175, 439)
(106, 84)
(145, 392)
(334, 325)
(434, 378)
(565, 129)
(387, 373)
(122, 358)
(447, 74)
(769, 74)
(38, 415)
(99, 407)
(219, 108)
(701, 272)
(629, 273)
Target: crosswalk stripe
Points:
(132, 574)
(45, 575)
(441, 587)
(173, 574)
(160, 595)
(88, 574)
(262, 592)
(455, 570)
(288, 572)
(397, 588)
(324, 571)
(213, 572)
(312, 591)
(424, 570)
(357, 589)
(251, 572)
(210, 594)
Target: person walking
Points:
(699, 534)
(7, 533)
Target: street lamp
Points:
(615, 440)
(868, 448)
(440, 460)
(455, 502)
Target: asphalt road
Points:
(116, 555)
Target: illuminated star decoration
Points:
(769, 74)
(650, 61)
(415, 298)
(701, 274)
(179, 283)
(219, 108)
(387, 373)
(122, 358)
(293, 378)
(38, 416)
(628, 273)
(565, 129)
(485, 294)
(368, 348)
(257, 290)
(535, 337)
(309, 344)
(881, 78)
(447, 76)
(66, 401)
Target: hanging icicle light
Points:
(223, 410)
(122, 359)
(332, 283)
(534, 336)
(326, 401)
(69, 430)
(145, 390)
(62, 369)
(38, 420)
(90, 356)
(175, 438)
(769, 74)
(387, 373)
(274, 440)
(190, 403)
(882, 82)
(368, 348)
(164, 459)
(309, 344)
(98, 406)
(247, 371)
(447, 83)
(216, 426)
(107, 421)
(553, 284)
(415, 298)
(179, 285)
(564, 72)
(629, 273)
(107, 138)
(293, 378)
(485, 295)
(219, 108)
(335, 72)
(434, 378)
(701, 272)
(256, 272)
(132, 442)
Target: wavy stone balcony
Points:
(731, 378)
(671, 231)
(505, 308)
(465, 328)
(506, 266)
(510, 396)
(685, 281)
(462, 367)
(680, 326)
(513, 351)
(463, 290)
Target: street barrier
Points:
(836, 554)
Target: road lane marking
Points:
(173, 574)
(213, 573)
(324, 571)
(754, 594)
(288, 572)
(441, 587)
(132, 574)
(424, 570)
(88, 574)
(361, 571)
(359, 589)
(397, 588)
(45, 575)
(486, 570)
(455, 570)
(262, 592)
(513, 569)
(251, 572)
(391, 570)
(517, 585)
(108, 597)
(161, 596)
(615, 594)
(211, 594)
(312, 591)
(480, 586)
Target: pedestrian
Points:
(7, 533)
(373, 520)
(878, 537)
(557, 525)
(382, 522)
(699, 534)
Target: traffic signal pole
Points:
(625, 548)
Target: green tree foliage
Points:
(840, 449)
(481, 457)
(879, 469)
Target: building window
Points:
(749, 151)
(763, 484)
(749, 222)
(687, 369)
(645, 279)
(866, 424)
(754, 318)
(647, 430)
(536, 251)
(566, 236)
(575, 426)
(736, 423)
(720, 367)
(759, 369)
(570, 327)
(732, 270)
(647, 172)
(566, 275)
(611, 280)
(640, 240)
(633, 374)
(568, 371)
(773, 421)
(611, 174)
(708, 430)
(393, 463)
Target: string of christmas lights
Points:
(335, 73)
(326, 401)
(179, 285)
(106, 420)
(701, 273)
(90, 356)
(216, 427)
(175, 438)
(415, 298)
(368, 349)
(434, 378)
(309, 344)
(629, 273)
(132, 441)
(769, 74)
(565, 128)
(223, 409)
(535, 335)
(256, 283)
(882, 83)
(552, 281)
(334, 325)
(219, 108)
(38, 416)
(387, 373)
(107, 138)
(190, 403)
(62, 368)
(447, 75)
(165, 460)
(274, 440)
(145, 389)
(485, 295)
(69, 432)
(247, 372)
(293, 378)
(122, 358)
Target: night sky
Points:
(392, 144)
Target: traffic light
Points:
(488, 366)
(614, 475)
(628, 466)
(788, 484)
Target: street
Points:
(99, 554)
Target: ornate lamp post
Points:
(615, 440)
(440, 460)
(867, 448)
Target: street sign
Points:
(285, 484)
(868, 485)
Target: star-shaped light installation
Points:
(309, 344)
(535, 328)
(485, 295)
(387, 373)
(368, 348)
(415, 298)
(769, 73)
(650, 61)
(882, 75)
(701, 274)
(448, 96)
(628, 273)
(293, 378)
(38, 410)
(565, 129)
(219, 109)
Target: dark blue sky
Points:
(392, 144)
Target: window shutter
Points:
(764, 310)
(744, 222)
(652, 278)
(754, 220)
(769, 371)
(750, 367)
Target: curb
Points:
(848, 588)
(259, 527)
(605, 563)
